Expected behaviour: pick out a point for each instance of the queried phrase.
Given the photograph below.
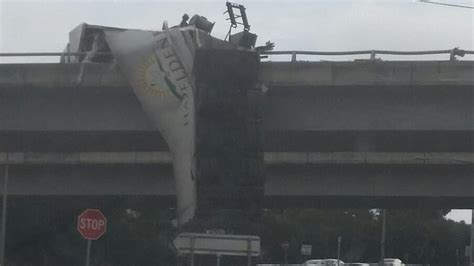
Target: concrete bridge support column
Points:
(229, 140)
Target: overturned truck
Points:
(202, 94)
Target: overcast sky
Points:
(324, 25)
(327, 25)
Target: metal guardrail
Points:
(47, 54)
(453, 53)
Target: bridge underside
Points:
(348, 134)
(326, 180)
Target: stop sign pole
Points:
(88, 253)
(91, 224)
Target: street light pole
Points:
(338, 249)
(457, 257)
(382, 240)
(471, 257)
(4, 216)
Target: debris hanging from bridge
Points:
(201, 94)
(158, 66)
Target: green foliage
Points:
(42, 231)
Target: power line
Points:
(445, 4)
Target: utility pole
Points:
(4, 216)
(382, 240)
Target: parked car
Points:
(332, 262)
(314, 263)
(325, 262)
(392, 262)
(356, 264)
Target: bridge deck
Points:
(365, 132)
(303, 96)
(105, 77)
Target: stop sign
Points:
(92, 224)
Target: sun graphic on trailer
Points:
(153, 80)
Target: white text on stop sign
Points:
(94, 224)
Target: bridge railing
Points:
(453, 53)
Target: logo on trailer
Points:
(153, 80)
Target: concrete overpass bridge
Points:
(364, 133)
